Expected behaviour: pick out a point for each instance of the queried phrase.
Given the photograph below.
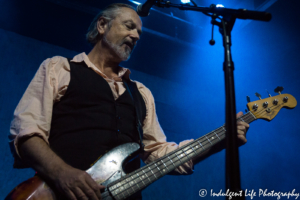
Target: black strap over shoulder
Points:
(133, 91)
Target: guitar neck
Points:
(146, 175)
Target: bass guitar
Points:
(108, 170)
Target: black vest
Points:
(87, 121)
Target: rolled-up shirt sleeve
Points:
(154, 138)
(34, 111)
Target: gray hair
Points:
(109, 13)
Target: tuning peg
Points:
(258, 95)
(268, 93)
(248, 99)
(278, 89)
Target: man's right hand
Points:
(76, 184)
(73, 183)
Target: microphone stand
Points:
(229, 16)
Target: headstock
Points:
(269, 107)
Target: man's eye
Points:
(129, 26)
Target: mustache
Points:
(129, 43)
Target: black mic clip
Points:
(162, 3)
(212, 41)
(214, 22)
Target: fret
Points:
(155, 170)
(122, 193)
(217, 135)
(223, 128)
(201, 145)
(185, 154)
(171, 161)
(208, 139)
(147, 176)
(131, 182)
(121, 196)
(152, 172)
(241, 119)
(165, 165)
(116, 186)
(117, 191)
(192, 149)
(141, 179)
(135, 182)
(126, 195)
(252, 115)
(122, 184)
(126, 191)
(158, 168)
(188, 149)
(116, 196)
(178, 158)
(112, 187)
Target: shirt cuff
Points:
(29, 132)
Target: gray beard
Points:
(123, 55)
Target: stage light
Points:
(135, 2)
(185, 1)
(219, 6)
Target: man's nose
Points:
(135, 36)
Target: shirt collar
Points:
(123, 72)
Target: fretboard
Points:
(141, 178)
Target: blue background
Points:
(188, 86)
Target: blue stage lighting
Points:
(135, 2)
(219, 6)
(185, 1)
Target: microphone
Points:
(143, 10)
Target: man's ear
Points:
(102, 25)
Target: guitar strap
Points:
(131, 87)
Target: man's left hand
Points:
(242, 128)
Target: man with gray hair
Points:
(76, 110)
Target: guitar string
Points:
(245, 117)
(151, 165)
(139, 182)
(248, 117)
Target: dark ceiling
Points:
(167, 32)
